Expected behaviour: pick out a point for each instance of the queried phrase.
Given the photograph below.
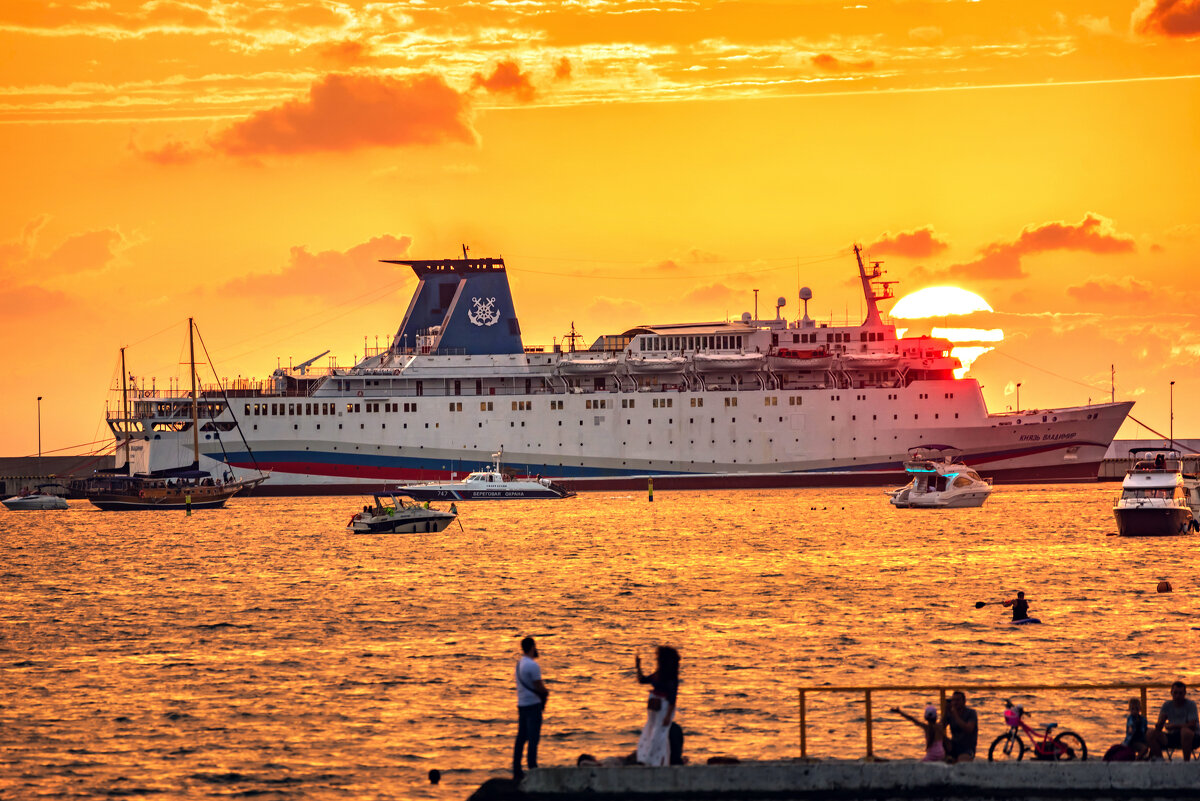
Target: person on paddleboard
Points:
(1019, 606)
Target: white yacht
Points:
(392, 514)
(488, 485)
(940, 482)
(41, 499)
(1157, 497)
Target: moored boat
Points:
(1157, 497)
(940, 482)
(178, 487)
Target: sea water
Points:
(265, 650)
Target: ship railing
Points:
(978, 696)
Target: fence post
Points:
(803, 733)
(870, 743)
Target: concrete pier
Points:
(844, 780)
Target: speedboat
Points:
(392, 514)
(36, 500)
(489, 484)
(940, 482)
(1157, 497)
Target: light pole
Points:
(1018, 396)
(1171, 431)
(40, 435)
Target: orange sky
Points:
(247, 162)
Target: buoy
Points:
(1164, 586)
(435, 776)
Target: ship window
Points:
(247, 410)
(349, 407)
(514, 405)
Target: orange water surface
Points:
(264, 650)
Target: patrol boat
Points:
(491, 484)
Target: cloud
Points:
(348, 112)
(919, 243)
(346, 53)
(33, 302)
(1001, 260)
(1100, 26)
(616, 311)
(506, 78)
(833, 64)
(712, 295)
(1168, 18)
(693, 256)
(562, 69)
(317, 274)
(171, 153)
(22, 263)
(1109, 291)
(926, 33)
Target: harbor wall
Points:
(27, 472)
(1011, 781)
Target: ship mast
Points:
(873, 320)
(195, 408)
(125, 415)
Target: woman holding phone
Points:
(653, 745)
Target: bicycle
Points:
(1063, 746)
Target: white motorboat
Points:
(392, 514)
(486, 485)
(1157, 497)
(36, 500)
(940, 482)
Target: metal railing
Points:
(942, 689)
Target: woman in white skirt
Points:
(653, 746)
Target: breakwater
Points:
(859, 780)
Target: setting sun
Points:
(938, 301)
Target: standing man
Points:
(531, 700)
(1179, 717)
(964, 729)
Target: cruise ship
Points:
(741, 403)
